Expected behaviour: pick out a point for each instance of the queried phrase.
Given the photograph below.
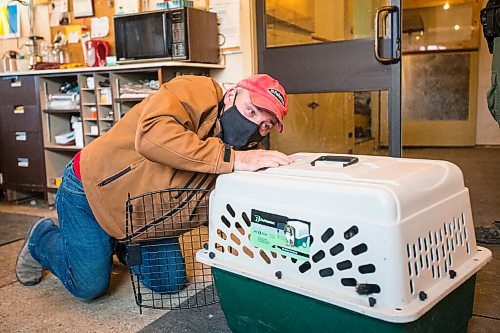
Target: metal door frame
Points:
(353, 68)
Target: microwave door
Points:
(144, 37)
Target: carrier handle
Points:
(345, 160)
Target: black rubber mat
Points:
(14, 227)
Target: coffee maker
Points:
(33, 43)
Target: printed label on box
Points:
(280, 234)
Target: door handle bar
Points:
(387, 10)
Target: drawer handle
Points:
(23, 162)
(21, 136)
(19, 109)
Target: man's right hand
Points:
(253, 160)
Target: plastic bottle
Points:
(5, 63)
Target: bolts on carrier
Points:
(422, 295)
(372, 301)
(211, 255)
(453, 274)
(278, 275)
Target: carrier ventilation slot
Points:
(351, 232)
(305, 267)
(366, 269)
(318, 256)
(225, 221)
(433, 253)
(264, 256)
(337, 249)
(248, 252)
(235, 239)
(230, 210)
(246, 219)
(239, 228)
(326, 272)
(327, 235)
(221, 234)
(361, 248)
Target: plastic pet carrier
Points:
(345, 244)
(165, 229)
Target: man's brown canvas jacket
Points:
(159, 144)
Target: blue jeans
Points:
(80, 253)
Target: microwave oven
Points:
(186, 34)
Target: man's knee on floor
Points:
(86, 286)
(91, 289)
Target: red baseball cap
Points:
(267, 93)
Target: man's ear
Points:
(229, 96)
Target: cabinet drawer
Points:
(23, 118)
(22, 159)
(23, 169)
(20, 91)
(17, 143)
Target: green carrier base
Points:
(253, 306)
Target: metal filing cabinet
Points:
(21, 134)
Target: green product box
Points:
(251, 306)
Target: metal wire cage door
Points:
(164, 230)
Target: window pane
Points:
(445, 26)
(340, 122)
(297, 22)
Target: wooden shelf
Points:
(61, 110)
(90, 134)
(89, 104)
(106, 119)
(52, 187)
(62, 148)
(87, 89)
(90, 119)
(105, 104)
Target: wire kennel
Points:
(164, 231)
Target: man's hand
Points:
(253, 160)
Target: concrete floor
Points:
(47, 307)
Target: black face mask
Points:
(238, 131)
